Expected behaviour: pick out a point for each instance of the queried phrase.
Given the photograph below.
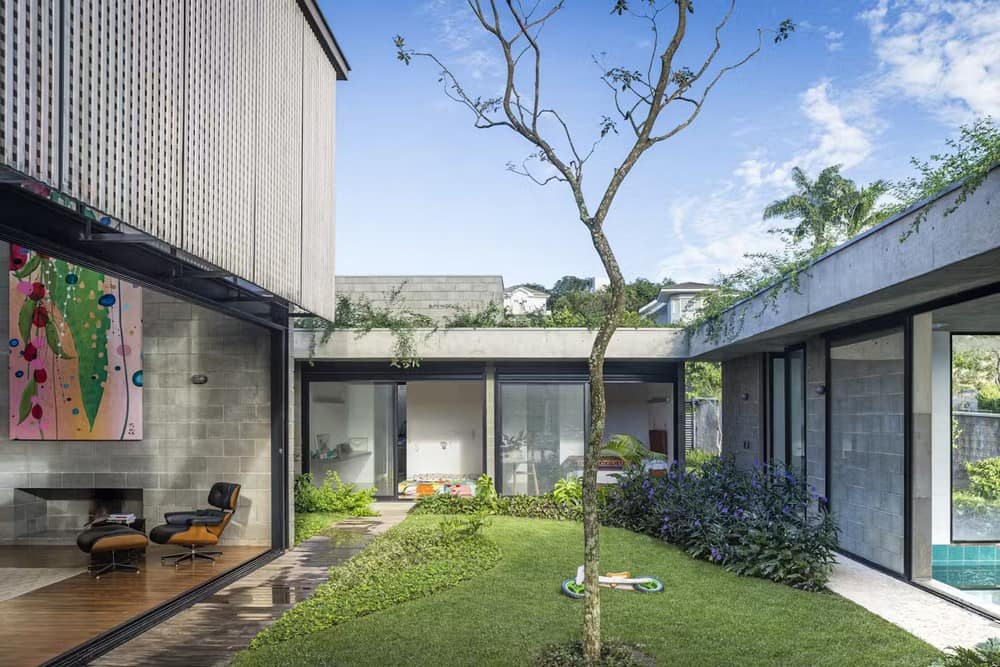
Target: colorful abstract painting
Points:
(75, 352)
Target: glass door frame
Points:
(770, 442)
(787, 355)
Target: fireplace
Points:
(58, 515)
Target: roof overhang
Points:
(325, 36)
(66, 228)
(500, 344)
(887, 270)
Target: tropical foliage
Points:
(761, 522)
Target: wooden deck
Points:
(46, 622)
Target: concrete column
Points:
(490, 430)
(921, 391)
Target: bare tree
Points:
(639, 97)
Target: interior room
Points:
(965, 502)
(125, 405)
(407, 439)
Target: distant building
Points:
(438, 297)
(523, 300)
(675, 304)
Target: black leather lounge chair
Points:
(196, 529)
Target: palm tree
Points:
(829, 209)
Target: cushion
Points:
(162, 534)
(185, 518)
(110, 537)
(223, 495)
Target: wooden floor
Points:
(46, 622)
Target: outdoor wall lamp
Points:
(199, 379)
(821, 390)
(746, 396)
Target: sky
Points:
(419, 190)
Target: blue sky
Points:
(419, 190)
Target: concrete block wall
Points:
(743, 409)
(867, 490)
(194, 435)
(434, 296)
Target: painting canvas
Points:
(75, 351)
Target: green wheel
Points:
(654, 585)
(572, 589)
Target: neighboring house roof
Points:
(660, 302)
(527, 290)
(688, 287)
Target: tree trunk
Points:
(595, 442)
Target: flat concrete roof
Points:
(875, 274)
(501, 344)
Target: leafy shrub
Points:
(985, 654)
(405, 563)
(984, 477)
(613, 654)
(332, 496)
(756, 522)
(308, 524)
(568, 490)
(989, 399)
(696, 459)
(528, 507)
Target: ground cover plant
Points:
(310, 524)
(407, 562)
(509, 613)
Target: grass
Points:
(308, 524)
(706, 616)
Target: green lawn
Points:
(706, 616)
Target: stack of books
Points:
(120, 518)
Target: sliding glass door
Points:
(542, 435)
(352, 432)
(795, 410)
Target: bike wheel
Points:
(572, 589)
(654, 585)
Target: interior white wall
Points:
(636, 409)
(941, 437)
(346, 412)
(449, 413)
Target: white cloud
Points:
(465, 41)
(943, 54)
(832, 38)
(838, 137)
(711, 233)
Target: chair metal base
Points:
(192, 555)
(101, 568)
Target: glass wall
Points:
(867, 446)
(778, 443)
(796, 406)
(643, 410)
(352, 431)
(975, 438)
(542, 435)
